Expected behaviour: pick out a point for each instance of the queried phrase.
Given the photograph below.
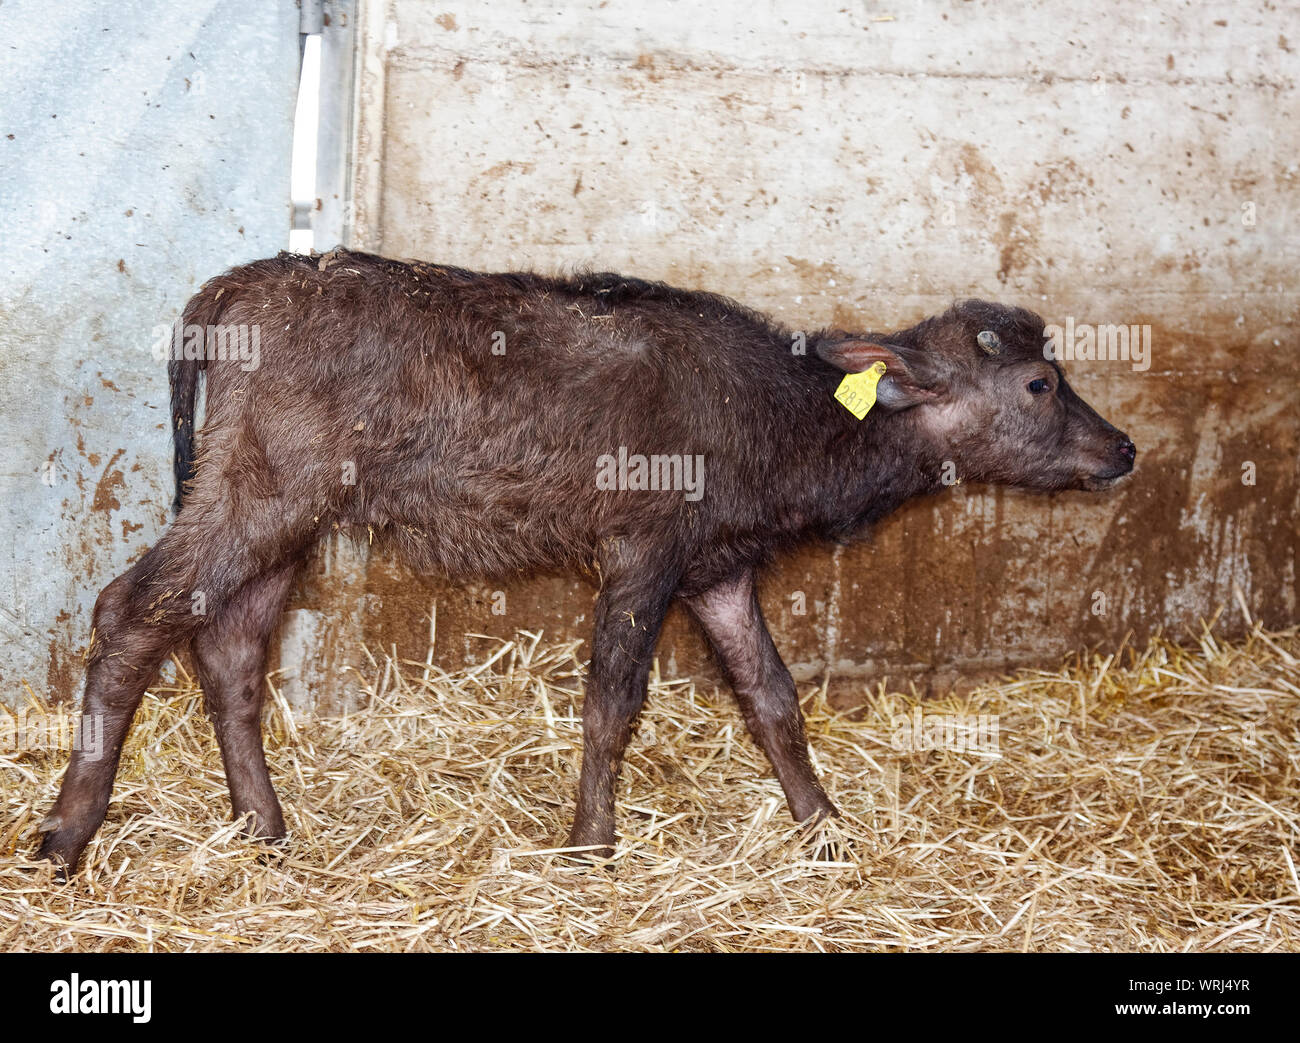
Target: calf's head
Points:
(984, 397)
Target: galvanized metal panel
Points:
(146, 146)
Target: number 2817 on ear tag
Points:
(857, 391)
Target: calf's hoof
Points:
(263, 825)
(594, 845)
(61, 846)
(813, 811)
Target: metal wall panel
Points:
(146, 147)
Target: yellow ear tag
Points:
(857, 391)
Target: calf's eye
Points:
(1037, 387)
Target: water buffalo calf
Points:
(488, 425)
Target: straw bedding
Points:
(1143, 800)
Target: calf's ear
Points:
(904, 383)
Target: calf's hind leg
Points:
(230, 652)
(138, 619)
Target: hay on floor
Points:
(1145, 801)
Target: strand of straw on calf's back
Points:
(1144, 806)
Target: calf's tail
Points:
(203, 310)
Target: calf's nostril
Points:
(1128, 450)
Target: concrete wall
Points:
(145, 147)
(863, 165)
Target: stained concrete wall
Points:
(863, 165)
(145, 146)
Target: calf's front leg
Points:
(629, 614)
(732, 620)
